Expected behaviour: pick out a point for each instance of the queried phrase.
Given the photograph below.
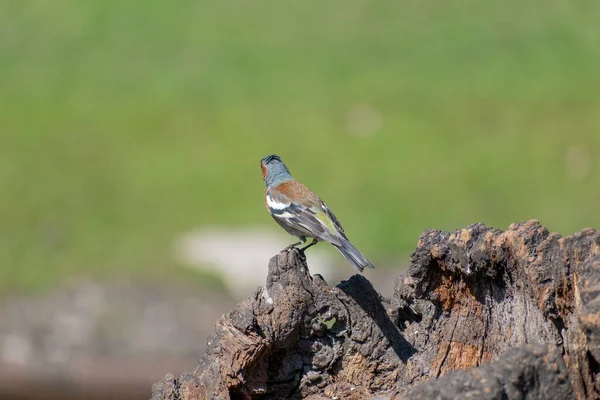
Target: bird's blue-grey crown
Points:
(274, 170)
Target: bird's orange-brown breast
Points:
(264, 169)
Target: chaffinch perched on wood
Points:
(302, 213)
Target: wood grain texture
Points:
(481, 313)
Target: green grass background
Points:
(125, 123)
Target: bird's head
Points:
(274, 170)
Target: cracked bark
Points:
(496, 315)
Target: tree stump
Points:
(480, 314)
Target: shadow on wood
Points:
(359, 289)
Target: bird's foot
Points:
(314, 241)
(294, 245)
(303, 250)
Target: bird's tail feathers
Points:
(358, 261)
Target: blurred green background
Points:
(124, 124)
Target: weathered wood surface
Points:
(480, 314)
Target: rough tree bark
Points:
(480, 313)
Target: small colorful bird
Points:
(302, 213)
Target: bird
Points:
(303, 214)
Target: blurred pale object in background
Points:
(363, 120)
(241, 256)
(578, 162)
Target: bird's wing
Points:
(333, 218)
(304, 214)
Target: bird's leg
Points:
(302, 241)
(314, 241)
